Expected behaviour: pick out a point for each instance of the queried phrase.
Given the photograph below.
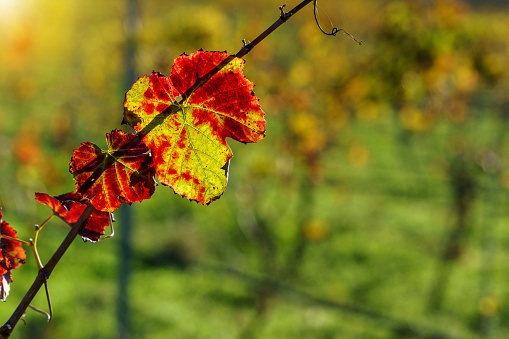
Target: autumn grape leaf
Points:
(70, 206)
(187, 132)
(122, 174)
(12, 255)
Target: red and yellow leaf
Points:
(188, 137)
(70, 206)
(12, 255)
(122, 174)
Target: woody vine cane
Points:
(182, 122)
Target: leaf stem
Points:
(44, 273)
(33, 243)
(28, 243)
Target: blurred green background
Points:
(376, 206)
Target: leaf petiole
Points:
(33, 243)
(28, 243)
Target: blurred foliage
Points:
(375, 208)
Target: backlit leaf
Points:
(122, 174)
(187, 136)
(70, 206)
(12, 255)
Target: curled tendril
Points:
(335, 30)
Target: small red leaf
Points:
(12, 255)
(70, 206)
(122, 174)
(188, 138)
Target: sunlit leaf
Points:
(188, 137)
(70, 206)
(122, 174)
(12, 255)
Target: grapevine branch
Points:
(284, 16)
(246, 48)
(45, 271)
